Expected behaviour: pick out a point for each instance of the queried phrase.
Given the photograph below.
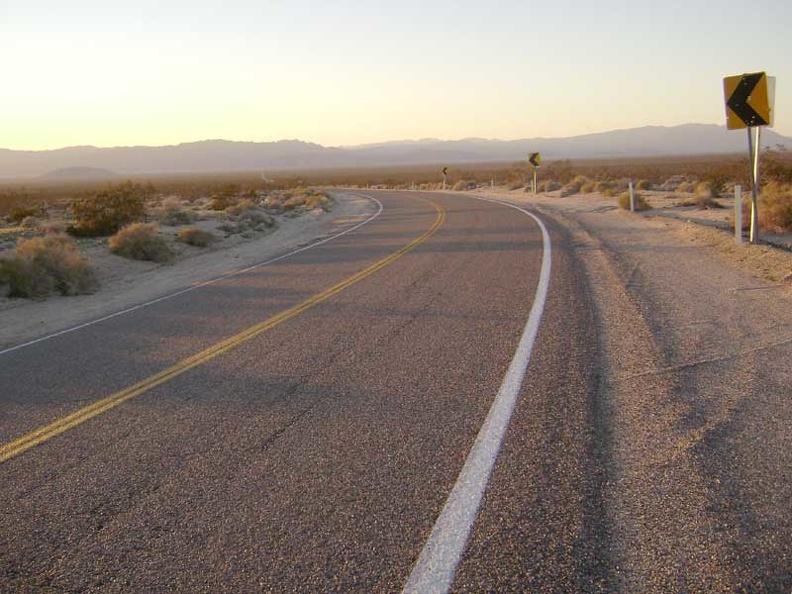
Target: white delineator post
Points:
(632, 197)
(738, 213)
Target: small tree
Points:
(107, 211)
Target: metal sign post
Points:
(445, 175)
(753, 154)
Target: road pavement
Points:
(315, 452)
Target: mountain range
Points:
(224, 155)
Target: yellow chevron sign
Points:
(749, 100)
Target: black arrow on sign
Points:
(738, 102)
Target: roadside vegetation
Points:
(203, 211)
(47, 228)
(41, 266)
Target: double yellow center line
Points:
(62, 425)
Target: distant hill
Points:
(81, 173)
(224, 155)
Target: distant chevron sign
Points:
(749, 100)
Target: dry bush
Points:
(31, 223)
(573, 187)
(643, 184)
(140, 241)
(464, 185)
(602, 186)
(105, 212)
(20, 213)
(775, 208)
(686, 187)
(240, 207)
(639, 202)
(43, 265)
(196, 237)
(173, 213)
(672, 183)
(549, 185)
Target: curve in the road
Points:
(211, 281)
(435, 569)
(43, 434)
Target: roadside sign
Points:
(535, 159)
(749, 105)
(749, 100)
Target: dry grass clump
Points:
(196, 237)
(140, 241)
(550, 185)
(573, 187)
(174, 214)
(43, 265)
(639, 202)
(31, 223)
(775, 208)
(464, 185)
(687, 187)
(20, 213)
(644, 185)
(672, 183)
(297, 201)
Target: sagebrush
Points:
(140, 241)
(44, 265)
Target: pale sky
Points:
(346, 72)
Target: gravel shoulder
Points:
(127, 283)
(695, 335)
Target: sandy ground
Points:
(126, 283)
(770, 261)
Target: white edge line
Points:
(435, 569)
(203, 284)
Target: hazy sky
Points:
(342, 72)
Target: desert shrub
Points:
(43, 265)
(464, 184)
(139, 241)
(573, 187)
(550, 185)
(31, 223)
(601, 186)
(319, 200)
(672, 183)
(687, 187)
(639, 201)
(20, 213)
(714, 186)
(241, 206)
(776, 166)
(56, 227)
(196, 237)
(173, 214)
(225, 197)
(643, 184)
(775, 208)
(106, 211)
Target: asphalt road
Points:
(316, 455)
(315, 448)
